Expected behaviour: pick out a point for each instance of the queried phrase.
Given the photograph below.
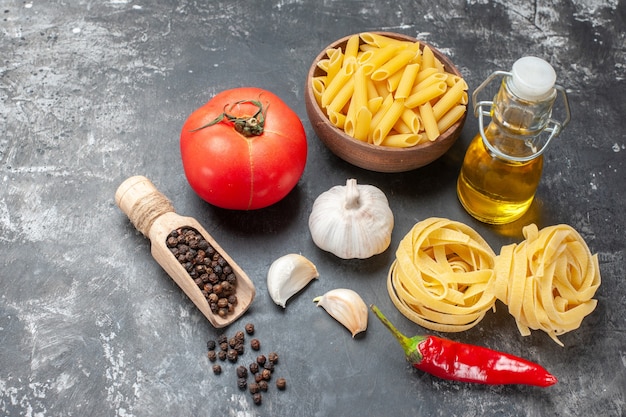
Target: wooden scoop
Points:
(154, 216)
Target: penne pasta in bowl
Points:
(385, 101)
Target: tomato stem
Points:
(247, 126)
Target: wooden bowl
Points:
(374, 157)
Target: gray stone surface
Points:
(94, 92)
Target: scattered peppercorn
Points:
(242, 371)
(232, 355)
(266, 374)
(232, 342)
(273, 357)
(254, 388)
(281, 383)
(232, 348)
(242, 383)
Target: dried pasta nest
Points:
(548, 281)
(446, 277)
(441, 278)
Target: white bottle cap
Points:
(532, 78)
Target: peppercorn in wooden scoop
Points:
(192, 258)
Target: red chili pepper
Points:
(455, 361)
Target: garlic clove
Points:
(345, 306)
(352, 221)
(288, 275)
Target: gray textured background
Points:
(94, 92)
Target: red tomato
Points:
(231, 170)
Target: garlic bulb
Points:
(345, 306)
(288, 275)
(352, 221)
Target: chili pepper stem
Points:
(410, 345)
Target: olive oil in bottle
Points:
(503, 164)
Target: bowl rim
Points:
(313, 69)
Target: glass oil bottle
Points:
(503, 164)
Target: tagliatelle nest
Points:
(446, 277)
(443, 276)
(548, 281)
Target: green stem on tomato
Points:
(247, 126)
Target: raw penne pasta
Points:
(363, 119)
(410, 118)
(352, 46)
(423, 96)
(379, 41)
(449, 99)
(428, 58)
(434, 78)
(451, 117)
(337, 119)
(318, 84)
(335, 62)
(378, 87)
(393, 81)
(425, 73)
(377, 58)
(335, 84)
(342, 97)
(393, 65)
(407, 80)
(401, 140)
(402, 127)
(429, 121)
(384, 126)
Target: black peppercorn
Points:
(217, 369)
(242, 371)
(273, 357)
(232, 342)
(250, 328)
(212, 355)
(221, 355)
(281, 383)
(232, 355)
(257, 398)
(242, 383)
(254, 367)
(253, 388)
(263, 385)
(240, 349)
(258, 377)
(240, 336)
(224, 346)
(210, 345)
(266, 374)
(269, 366)
(261, 360)
(255, 344)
